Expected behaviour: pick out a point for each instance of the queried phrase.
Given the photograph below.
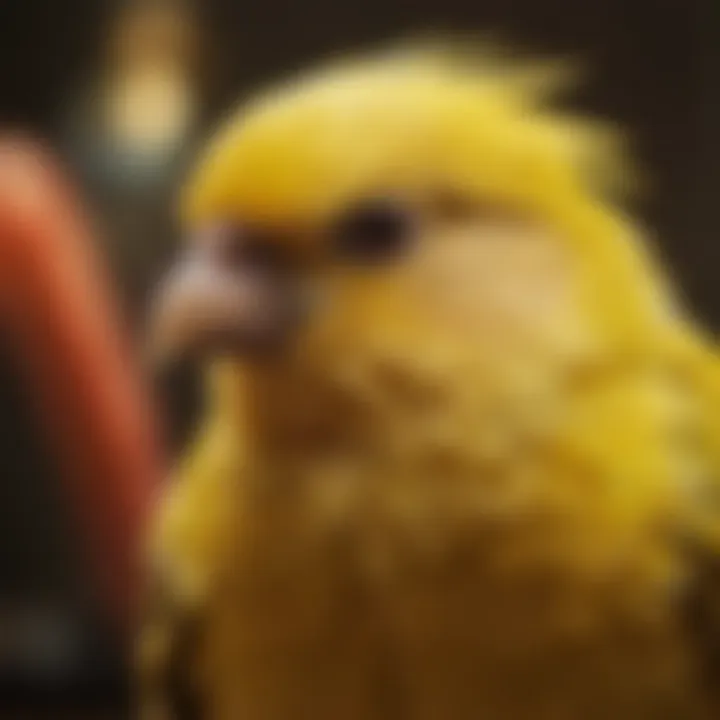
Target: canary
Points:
(459, 458)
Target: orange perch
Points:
(65, 329)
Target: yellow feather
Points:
(454, 496)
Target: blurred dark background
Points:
(123, 91)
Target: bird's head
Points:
(405, 228)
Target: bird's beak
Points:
(215, 301)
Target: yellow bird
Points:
(459, 458)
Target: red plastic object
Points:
(61, 320)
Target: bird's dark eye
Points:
(373, 232)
